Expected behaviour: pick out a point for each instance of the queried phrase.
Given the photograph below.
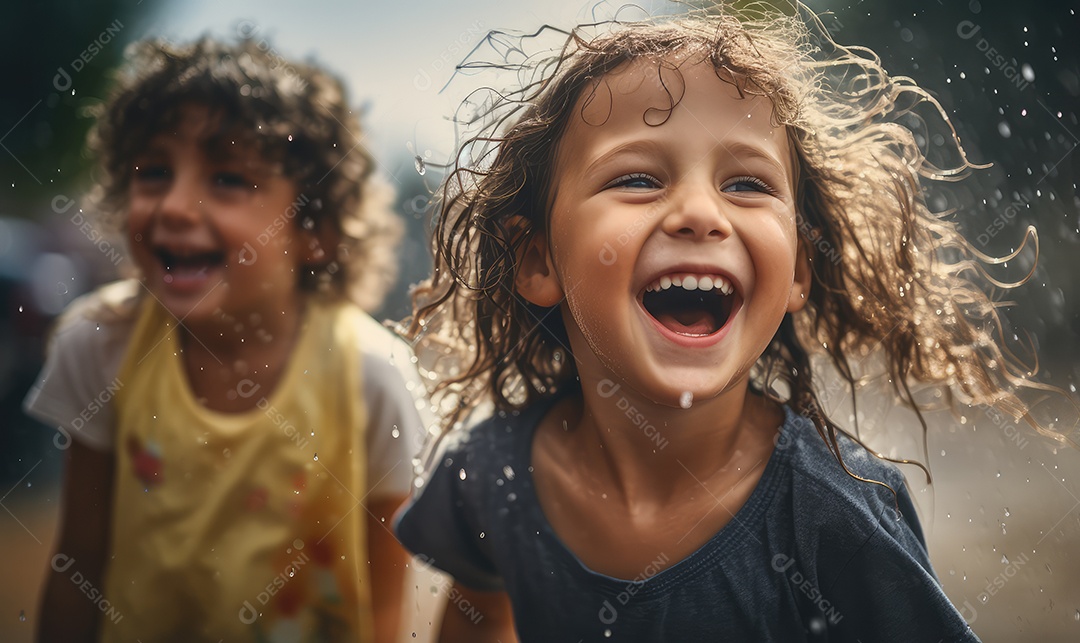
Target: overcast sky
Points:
(394, 56)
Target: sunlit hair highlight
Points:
(890, 277)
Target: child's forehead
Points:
(211, 132)
(641, 98)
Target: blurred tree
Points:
(54, 57)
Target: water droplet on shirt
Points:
(481, 534)
(686, 400)
(1007, 514)
(394, 433)
(461, 474)
(510, 497)
(1004, 559)
(316, 457)
(22, 615)
(607, 633)
(508, 471)
(421, 167)
(20, 310)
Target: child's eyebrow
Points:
(644, 148)
(740, 150)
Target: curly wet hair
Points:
(892, 280)
(296, 115)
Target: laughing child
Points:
(635, 262)
(257, 434)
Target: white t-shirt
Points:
(75, 388)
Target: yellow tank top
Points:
(248, 526)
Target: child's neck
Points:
(656, 452)
(231, 362)
(616, 495)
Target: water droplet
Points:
(1007, 514)
(308, 223)
(1028, 72)
(508, 471)
(292, 572)
(510, 497)
(686, 400)
(298, 544)
(61, 289)
(481, 534)
(316, 457)
(20, 310)
(1004, 559)
(226, 453)
(394, 433)
(290, 137)
(607, 633)
(421, 167)
(461, 474)
(1076, 616)
(22, 615)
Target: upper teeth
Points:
(692, 282)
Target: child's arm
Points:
(388, 561)
(480, 617)
(67, 613)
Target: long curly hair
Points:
(890, 277)
(294, 114)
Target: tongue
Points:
(689, 322)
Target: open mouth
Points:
(692, 305)
(181, 266)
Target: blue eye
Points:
(749, 184)
(635, 181)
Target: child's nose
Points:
(697, 212)
(181, 203)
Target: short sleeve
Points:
(74, 391)
(438, 525)
(395, 432)
(398, 414)
(887, 591)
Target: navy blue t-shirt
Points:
(813, 555)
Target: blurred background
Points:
(1003, 515)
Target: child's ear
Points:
(804, 277)
(535, 279)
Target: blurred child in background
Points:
(259, 425)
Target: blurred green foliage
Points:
(54, 59)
